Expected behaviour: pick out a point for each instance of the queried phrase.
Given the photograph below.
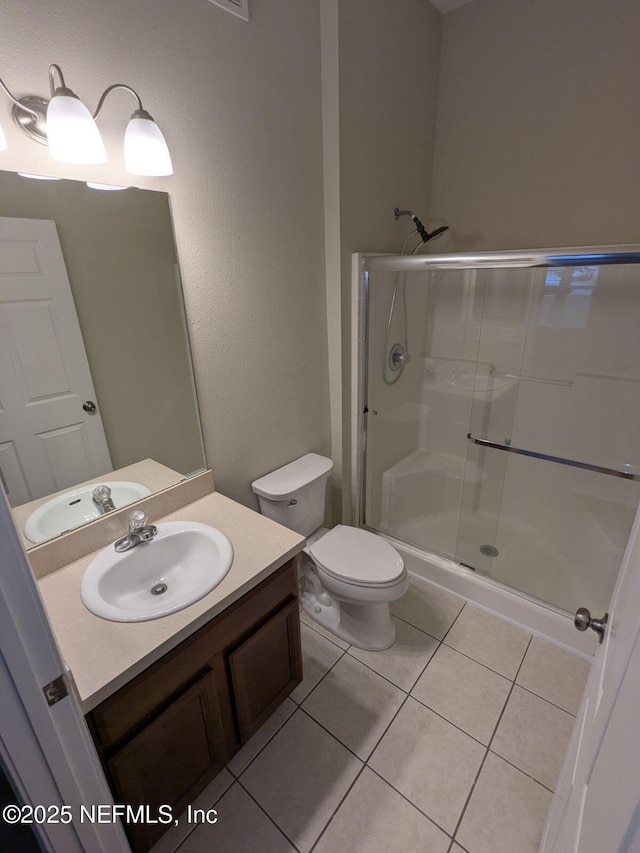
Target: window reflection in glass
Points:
(567, 297)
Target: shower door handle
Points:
(560, 460)
(584, 620)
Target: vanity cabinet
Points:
(170, 730)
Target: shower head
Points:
(437, 233)
(422, 231)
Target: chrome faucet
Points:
(139, 531)
(101, 496)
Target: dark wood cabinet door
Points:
(171, 759)
(265, 668)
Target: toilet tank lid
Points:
(284, 482)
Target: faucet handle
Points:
(101, 496)
(137, 520)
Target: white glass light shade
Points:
(105, 187)
(37, 177)
(3, 140)
(145, 149)
(72, 133)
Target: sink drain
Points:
(158, 589)
(489, 550)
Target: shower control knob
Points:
(398, 357)
(583, 620)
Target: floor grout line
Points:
(469, 795)
(262, 809)
(406, 799)
(377, 744)
(417, 628)
(524, 772)
(315, 627)
(404, 690)
(488, 748)
(439, 639)
(544, 699)
(479, 662)
(263, 747)
(451, 723)
(337, 808)
(335, 737)
(322, 678)
(513, 684)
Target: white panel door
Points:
(47, 441)
(598, 792)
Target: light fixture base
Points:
(33, 118)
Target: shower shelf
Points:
(533, 454)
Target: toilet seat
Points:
(358, 557)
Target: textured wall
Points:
(537, 130)
(388, 56)
(240, 105)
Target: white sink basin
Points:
(76, 507)
(183, 563)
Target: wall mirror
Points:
(96, 380)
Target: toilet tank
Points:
(294, 494)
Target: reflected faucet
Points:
(139, 531)
(101, 496)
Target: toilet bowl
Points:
(351, 575)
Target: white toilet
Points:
(351, 575)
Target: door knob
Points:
(583, 620)
(89, 406)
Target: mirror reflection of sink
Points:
(182, 564)
(76, 507)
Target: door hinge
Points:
(56, 690)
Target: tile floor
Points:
(450, 741)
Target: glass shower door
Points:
(552, 529)
(418, 414)
(505, 435)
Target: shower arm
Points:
(425, 236)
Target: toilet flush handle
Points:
(292, 502)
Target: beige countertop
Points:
(104, 655)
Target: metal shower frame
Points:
(514, 259)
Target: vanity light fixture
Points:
(69, 129)
(37, 177)
(105, 187)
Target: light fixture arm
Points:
(110, 89)
(52, 83)
(15, 100)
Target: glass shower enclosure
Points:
(499, 405)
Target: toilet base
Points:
(367, 626)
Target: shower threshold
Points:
(523, 610)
